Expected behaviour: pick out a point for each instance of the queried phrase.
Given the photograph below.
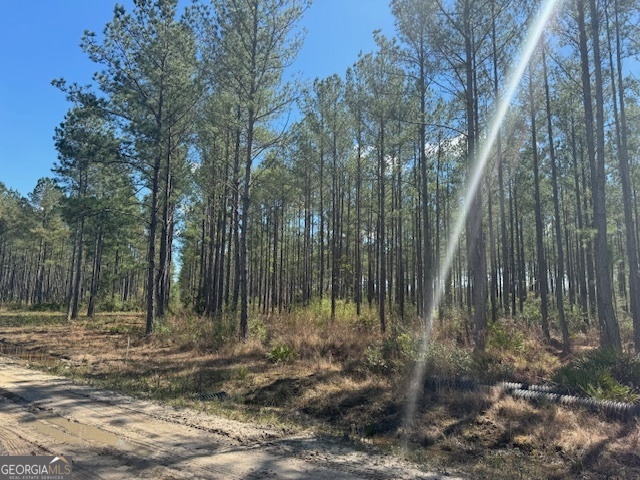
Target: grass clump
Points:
(505, 337)
(281, 354)
(117, 305)
(396, 353)
(603, 374)
(448, 361)
(258, 330)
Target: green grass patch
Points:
(603, 374)
(28, 319)
(281, 354)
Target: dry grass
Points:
(345, 379)
(502, 438)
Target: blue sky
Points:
(39, 41)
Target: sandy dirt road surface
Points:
(113, 436)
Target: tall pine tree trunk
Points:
(610, 333)
(151, 254)
(627, 194)
(246, 201)
(475, 236)
(566, 347)
(541, 273)
(382, 283)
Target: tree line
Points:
(277, 194)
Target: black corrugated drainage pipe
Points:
(539, 394)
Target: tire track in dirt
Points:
(113, 436)
(12, 443)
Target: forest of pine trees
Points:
(193, 174)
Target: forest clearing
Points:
(428, 256)
(303, 376)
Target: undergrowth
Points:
(281, 354)
(343, 374)
(603, 374)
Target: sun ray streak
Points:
(544, 15)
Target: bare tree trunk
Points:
(542, 264)
(627, 194)
(335, 220)
(427, 268)
(236, 216)
(95, 276)
(566, 346)
(78, 275)
(506, 290)
(151, 255)
(493, 296)
(382, 284)
(163, 264)
(419, 246)
(358, 241)
(581, 267)
(246, 201)
(71, 284)
(475, 236)
(609, 325)
(321, 245)
(274, 267)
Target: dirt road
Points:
(113, 436)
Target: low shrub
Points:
(281, 354)
(603, 374)
(505, 337)
(47, 307)
(531, 311)
(163, 327)
(451, 361)
(395, 353)
(117, 305)
(448, 361)
(258, 329)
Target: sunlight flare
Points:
(536, 30)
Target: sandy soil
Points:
(113, 436)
